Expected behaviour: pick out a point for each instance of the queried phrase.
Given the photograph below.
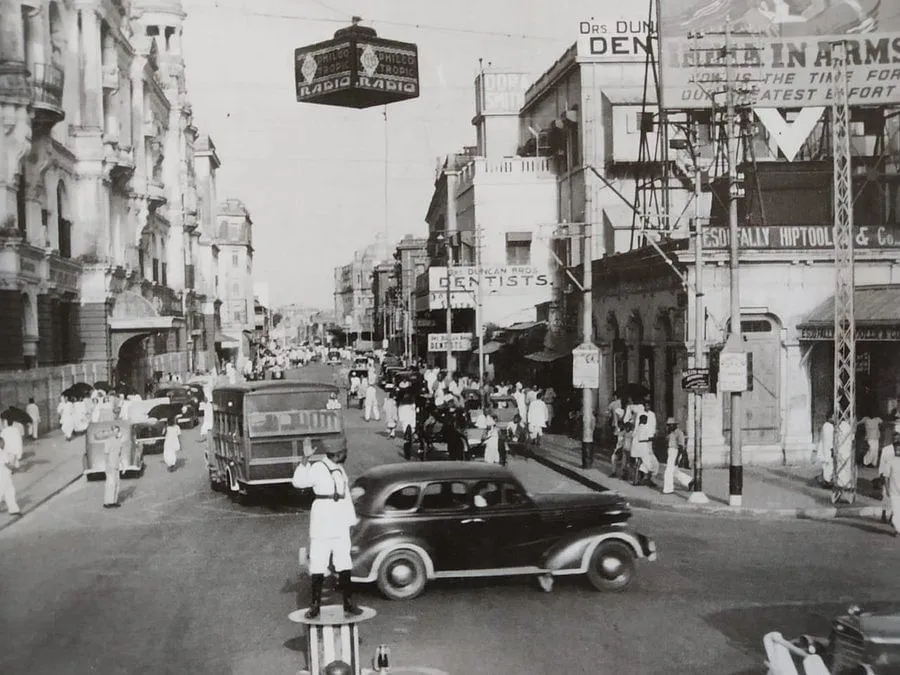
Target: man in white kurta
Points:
(330, 519)
(890, 469)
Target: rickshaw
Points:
(333, 358)
(353, 392)
(96, 438)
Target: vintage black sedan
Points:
(434, 520)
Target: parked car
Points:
(150, 431)
(179, 394)
(430, 520)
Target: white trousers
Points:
(871, 457)
(673, 473)
(8, 491)
(336, 549)
(371, 410)
(406, 416)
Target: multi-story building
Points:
(491, 215)
(411, 261)
(235, 242)
(99, 220)
(384, 292)
(205, 273)
(354, 303)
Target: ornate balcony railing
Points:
(47, 81)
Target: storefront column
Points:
(796, 405)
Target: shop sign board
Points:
(459, 342)
(800, 237)
(586, 366)
(500, 93)
(356, 69)
(787, 55)
(732, 371)
(496, 280)
(620, 37)
(863, 333)
(695, 379)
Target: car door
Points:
(445, 509)
(504, 528)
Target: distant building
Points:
(235, 242)
(354, 302)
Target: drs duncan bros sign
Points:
(783, 47)
(503, 281)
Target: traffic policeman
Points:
(330, 519)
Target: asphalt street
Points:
(181, 580)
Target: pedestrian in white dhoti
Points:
(537, 418)
(371, 404)
(330, 519)
(825, 451)
(892, 481)
(390, 414)
(67, 419)
(207, 425)
(644, 433)
(7, 489)
(676, 444)
(171, 444)
(491, 440)
(35, 414)
(11, 435)
(114, 453)
(872, 425)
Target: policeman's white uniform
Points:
(332, 514)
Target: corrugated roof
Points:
(872, 305)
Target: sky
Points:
(321, 182)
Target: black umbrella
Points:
(164, 411)
(13, 414)
(78, 390)
(104, 385)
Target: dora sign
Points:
(787, 57)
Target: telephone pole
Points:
(479, 313)
(449, 315)
(697, 494)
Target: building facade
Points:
(100, 212)
(235, 244)
(354, 301)
(205, 273)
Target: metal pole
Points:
(449, 310)
(697, 495)
(479, 313)
(587, 317)
(736, 469)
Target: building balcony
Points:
(14, 84)
(156, 193)
(506, 170)
(21, 262)
(47, 86)
(118, 159)
(165, 300)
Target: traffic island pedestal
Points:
(332, 636)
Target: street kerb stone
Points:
(649, 503)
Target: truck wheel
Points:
(611, 567)
(402, 575)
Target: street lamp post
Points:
(449, 310)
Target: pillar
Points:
(14, 146)
(796, 404)
(47, 344)
(92, 70)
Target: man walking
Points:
(113, 461)
(890, 469)
(371, 404)
(12, 441)
(330, 519)
(35, 414)
(7, 489)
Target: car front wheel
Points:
(401, 575)
(611, 567)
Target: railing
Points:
(47, 81)
(166, 300)
(509, 166)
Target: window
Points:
(518, 248)
(445, 496)
(513, 495)
(235, 259)
(404, 499)
(238, 317)
(163, 276)
(487, 494)
(156, 270)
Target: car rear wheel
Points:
(401, 575)
(611, 567)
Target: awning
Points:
(145, 323)
(524, 325)
(876, 310)
(490, 347)
(547, 356)
(226, 341)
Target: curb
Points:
(814, 513)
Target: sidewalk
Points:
(48, 466)
(774, 492)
